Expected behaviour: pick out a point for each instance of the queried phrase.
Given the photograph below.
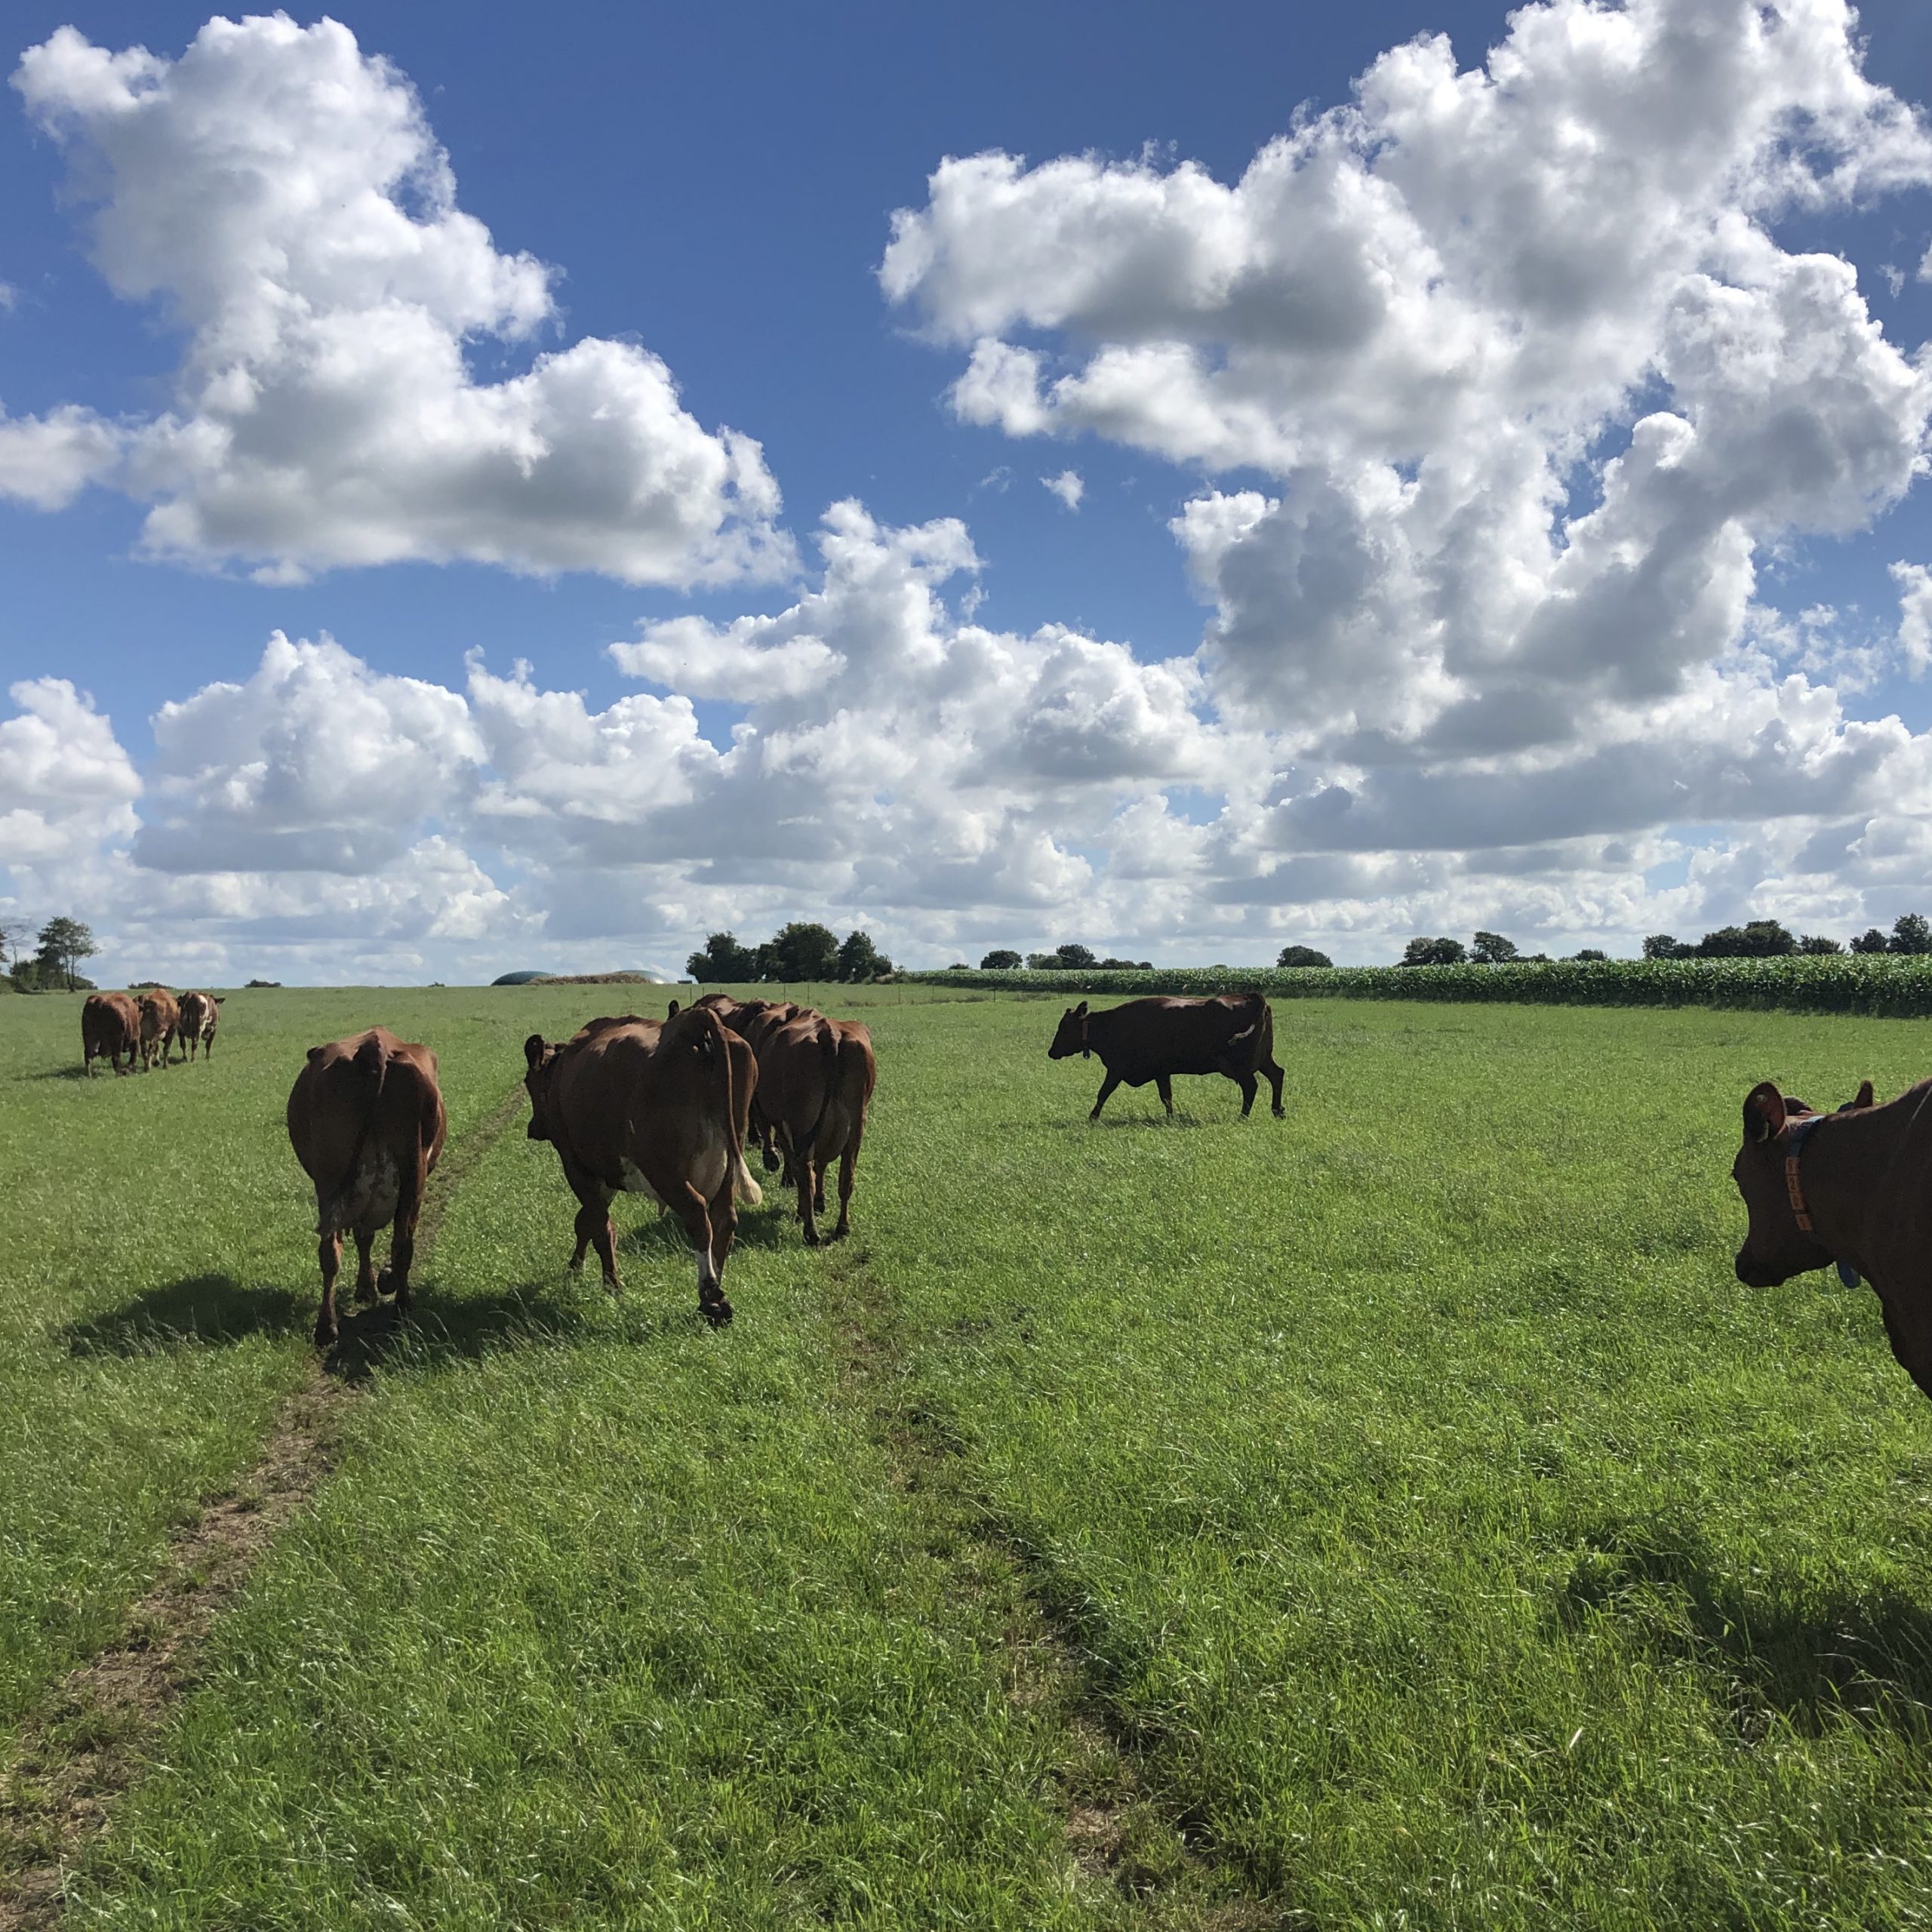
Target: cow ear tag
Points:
(1848, 1274)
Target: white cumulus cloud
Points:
(280, 194)
(1069, 486)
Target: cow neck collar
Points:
(1794, 1135)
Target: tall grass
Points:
(1879, 985)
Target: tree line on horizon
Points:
(803, 950)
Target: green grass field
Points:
(1397, 1516)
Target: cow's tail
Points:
(827, 1037)
(1254, 1042)
(371, 1067)
(737, 1121)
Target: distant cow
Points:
(110, 1026)
(661, 1109)
(816, 1077)
(160, 1020)
(199, 1012)
(366, 1119)
(1855, 1188)
(1231, 1034)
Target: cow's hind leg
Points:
(365, 1269)
(811, 1196)
(694, 1212)
(848, 1165)
(1274, 1076)
(328, 1252)
(394, 1278)
(1107, 1086)
(723, 1218)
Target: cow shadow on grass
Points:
(661, 1237)
(198, 1311)
(1864, 1659)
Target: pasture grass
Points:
(1420, 1526)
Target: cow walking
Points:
(816, 1077)
(110, 1026)
(1849, 1187)
(199, 1012)
(657, 1108)
(1231, 1034)
(160, 1020)
(366, 1120)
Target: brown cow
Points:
(634, 1105)
(365, 1118)
(1850, 1188)
(1231, 1034)
(754, 1021)
(160, 1020)
(110, 1026)
(816, 1077)
(199, 1012)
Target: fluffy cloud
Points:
(281, 195)
(1069, 486)
(65, 784)
(1537, 383)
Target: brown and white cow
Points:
(366, 1119)
(1231, 1034)
(1852, 1187)
(816, 1077)
(110, 1026)
(160, 1020)
(199, 1012)
(658, 1109)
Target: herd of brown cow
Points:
(152, 1025)
(665, 1107)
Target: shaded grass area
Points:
(1454, 1540)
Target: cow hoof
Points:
(384, 1285)
(325, 1334)
(814, 1239)
(718, 1313)
(1281, 1113)
(365, 1293)
(771, 1163)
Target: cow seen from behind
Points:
(366, 1120)
(1231, 1034)
(110, 1026)
(161, 1020)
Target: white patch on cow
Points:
(747, 1189)
(711, 1159)
(368, 1200)
(635, 1184)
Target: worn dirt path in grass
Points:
(88, 1741)
(1116, 1835)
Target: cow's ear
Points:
(1864, 1096)
(532, 1052)
(314, 1055)
(1764, 1112)
(1080, 1011)
(673, 1014)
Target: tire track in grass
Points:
(87, 1743)
(1117, 1836)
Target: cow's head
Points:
(1072, 1038)
(1775, 1247)
(538, 1054)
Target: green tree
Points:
(63, 944)
(859, 959)
(1871, 940)
(1432, 952)
(1662, 945)
(14, 934)
(1591, 955)
(723, 962)
(1910, 933)
(1818, 944)
(1492, 949)
(1302, 956)
(1757, 939)
(1074, 954)
(1000, 961)
(804, 950)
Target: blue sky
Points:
(716, 188)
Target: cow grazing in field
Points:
(816, 1077)
(199, 1012)
(110, 1026)
(1232, 1034)
(161, 1020)
(366, 1119)
(1852, 1187)
(659, 1108)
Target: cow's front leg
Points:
(365, 1269)
(328, 1252)
(1249, 1086)
(1107, 1086)
(1165, 1088)
(1912, 1344)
